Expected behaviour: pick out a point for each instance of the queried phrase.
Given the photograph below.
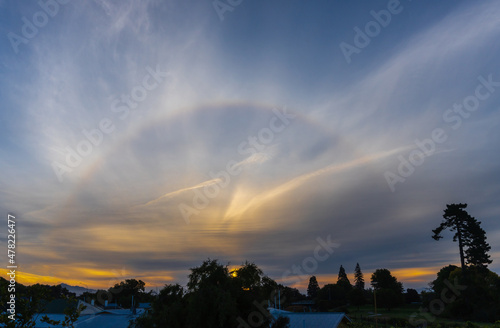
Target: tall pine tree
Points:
(343, 276)
(313, 288)
(359, 281)
(477, 250)
(472, 245)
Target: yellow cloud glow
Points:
(243, 201)
(88, 277)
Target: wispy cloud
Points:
(242, 204)
(351, 125)
(178, 192)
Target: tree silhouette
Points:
(359, 281)
(250, 275)
(343, 276)
(475, 297)
(477, 249)
(313, 287)
(127, 290)
(389, 290)
(383, 279)
(411, 295)
(356, 297)
(471, 237)
(211, 301)
(31, 302)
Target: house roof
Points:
(106, 319)
(313, 319)
(89, 308)
(40, 324)
(91, 317)
(58, 306)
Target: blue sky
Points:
(140, 138)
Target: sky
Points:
(140, 138)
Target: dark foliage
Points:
(359, 281)
(472, 245)
(313, 288)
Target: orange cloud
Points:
(102, 279)
(421, 275)
(26, 278)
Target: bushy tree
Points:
(382, 278)
(356, 297)
(169, 310)
(475, 296)
(289, 295)
(389, 292)
(126, 290)
(388, 298)
(216, 298)
(250, 275)
(210, 298)
(31, 301)
(411, 296)
(333, 295)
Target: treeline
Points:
(471, 292)
(31, 301)
(389, 293)
(216, 297)
(469, 295)
(126, 294)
